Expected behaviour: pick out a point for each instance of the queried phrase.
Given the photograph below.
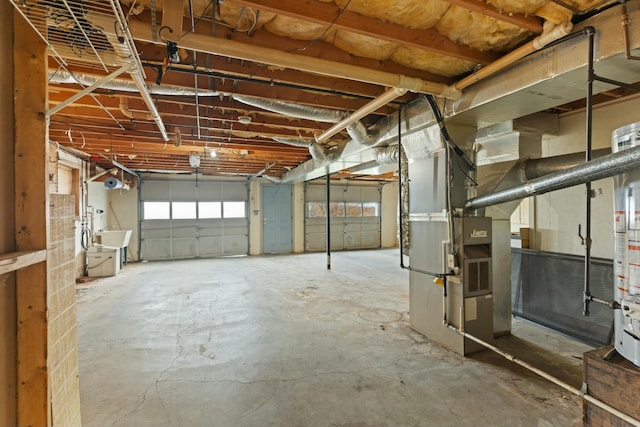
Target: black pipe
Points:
(587, 240)
(215, 74)
(328, 220)
(445, 133)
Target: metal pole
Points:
(587, 240)
(328, 219)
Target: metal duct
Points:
(325, 154)
(552, 76)
(386, 155)
(64, 77)
(359, 133)
(272, 179)
(535, 168)
(604, 167)
(319, 152)
(296, 142)
(294, 110)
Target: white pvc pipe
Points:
(388, 96)
(146, 96)
(549, 377)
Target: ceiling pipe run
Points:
(550, 33)
(306, 112)
(388, 96)
(248, 52)
(140, 115)
(121, 85)
(604, 167)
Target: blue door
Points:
(276, 219)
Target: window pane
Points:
(354, 209)
(337, 209)
(316, 209)
(234, 210)
(208, 210)
(371, 209)
(156, 210)
(184, 210)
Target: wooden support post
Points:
(32, 221)
(172, 14)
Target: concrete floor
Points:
(281, 341)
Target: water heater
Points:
(627, 249)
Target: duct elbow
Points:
(359, 133)
(140, 115)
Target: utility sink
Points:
(114, 238)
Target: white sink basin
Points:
(114, 238)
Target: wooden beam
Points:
(172, 13)
(32, 222)
(325, 14)
(16, 260)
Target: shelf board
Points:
(16, 260)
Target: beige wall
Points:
(7, 231)
(255, 217)
(555, 216)
(121, 212)
(389, 212)
(98, 199)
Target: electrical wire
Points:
(324, 33)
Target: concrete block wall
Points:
(63, 343)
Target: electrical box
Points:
(103, 261)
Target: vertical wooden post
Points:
(32, 221)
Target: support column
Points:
(32, 221)
(8, 319)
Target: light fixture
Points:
(194, 161)
(245, 120)
(213, 152)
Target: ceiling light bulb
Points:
(213, 153)
(245, 120)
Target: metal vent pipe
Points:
(604, 167)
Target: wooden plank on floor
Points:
(32, 219)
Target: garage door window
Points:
(210, 210)
(371, 209)
(184, 210)
(234, 210)
(157, 210)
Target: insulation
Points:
(360, 45)
(479, 31)
(297, 29)
(419, 14)
(230, 12)
(431, 62)
(459, 24)
(526, 7)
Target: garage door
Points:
(185, 219)
(355, 217)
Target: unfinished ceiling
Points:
(259, 83)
